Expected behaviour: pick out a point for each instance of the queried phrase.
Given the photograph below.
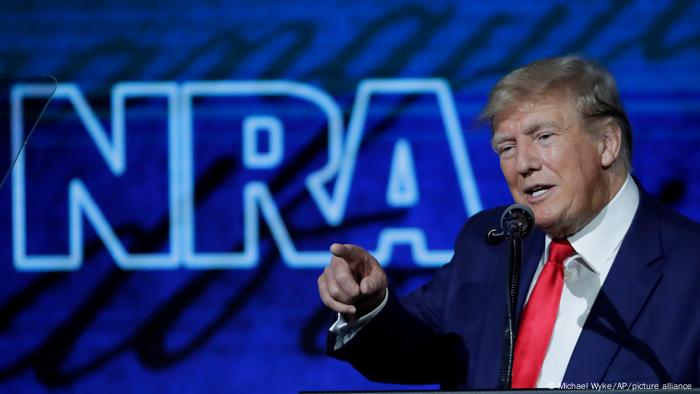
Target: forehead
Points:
(553, 110)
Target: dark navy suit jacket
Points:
(644, 325)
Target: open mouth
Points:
(535, 192)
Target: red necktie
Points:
(539, 315)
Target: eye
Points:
(545, 136)
(505, 149)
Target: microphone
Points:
(516, 222)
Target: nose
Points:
(527, 159)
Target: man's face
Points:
(552, 164)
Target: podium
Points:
(528, 391)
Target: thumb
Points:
(367, 285)
(373, 282)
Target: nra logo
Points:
(266, 137)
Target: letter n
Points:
(126, 195)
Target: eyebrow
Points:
(531, 129)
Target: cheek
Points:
(509, 173)
(582, 180)
(504, 167)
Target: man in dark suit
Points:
(608, 289)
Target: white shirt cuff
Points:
(345, 330)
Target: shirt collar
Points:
(602, 236)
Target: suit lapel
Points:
(627, 288)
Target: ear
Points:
(610, 143)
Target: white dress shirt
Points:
(596, 246)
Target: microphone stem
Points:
(511, 308)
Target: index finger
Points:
(351, 253)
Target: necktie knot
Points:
(560, 250)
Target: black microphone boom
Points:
(516, 222)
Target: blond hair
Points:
(590, 85)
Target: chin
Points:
(548, 225)
(544, 225)
(541, 218)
